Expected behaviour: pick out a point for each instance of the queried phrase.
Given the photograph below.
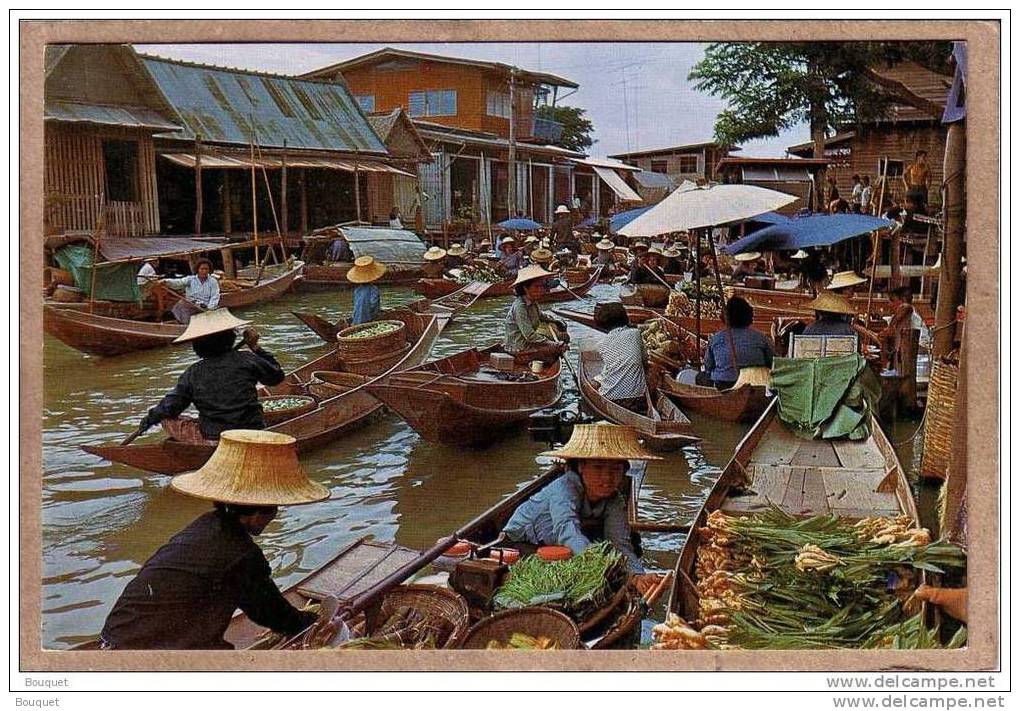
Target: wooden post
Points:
(303, 202)
(254, 205)
(718, 278)
(228, 263)
(227, 206)
(697, 285)
(198, 185)
(894, 259)
(284, 222)
(954, 207)
(357, 191)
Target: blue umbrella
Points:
(809, 231)
(622, 218)
(519, 223)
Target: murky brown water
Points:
(101, 521)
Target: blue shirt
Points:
(829, 326)
(552, 517)
(752, 349)
(366, 304)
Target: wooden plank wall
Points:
(75, 177)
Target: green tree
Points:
(577, 129)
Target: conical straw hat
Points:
(561, 210)
(530, 273)
(602, 441)
(831, 303)
(365, 270)
(639, 245)
(530, 239)
(799, 254)
(747, 256)
(542, 255)
(252, 468)
(507, 240)
(206, 323)
(457, 250)
(671, 252)
(434, 254)
(604, 244)
(845, 279)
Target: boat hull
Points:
(105, 336)
(743, 404)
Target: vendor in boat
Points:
(455, 256)
(734, 348)
(221, 385)
(434, 266)
(744, 265)
(523, 338)
(646, 269)
(201, 291)
(147, 274)
(545, 259)
(671, 261)
(833, 314)
(563, 226)
(846, 283)
(340, 251)
(511, 259)
(364, 273)
(623, 358)
(531, 243)
(186, 594)
(604, 257)
(585, 504)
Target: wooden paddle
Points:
(132, 437)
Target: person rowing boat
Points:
(185, 595)
(585, 503)
(201, 291)
(221, 384)
(523, 338)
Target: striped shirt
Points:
(623, 367)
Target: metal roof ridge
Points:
(235, 70)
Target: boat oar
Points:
(132, 437)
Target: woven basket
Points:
(361, 348)
(576, 276)
(940, 419)
(273, 417)
(434, 601)
(535, 621)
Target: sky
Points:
(636, 94)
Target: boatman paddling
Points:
(186, 593)
(201, 291)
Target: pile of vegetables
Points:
(773, 581)
(578, 586)
(658, 340)
(372, 329)
(407, 628)
(279, 404)
(520, 640)
(683, 302)
(478, 271)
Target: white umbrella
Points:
(691, 208)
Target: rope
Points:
(914, 435)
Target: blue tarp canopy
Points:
(519, 223)
(770, 218)
(809, 231)
(622, 218)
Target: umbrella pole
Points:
(718, 278)
(697, 286)
(871, 282)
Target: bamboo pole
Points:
(954, 202)
(876, 243)
(198, 185)
(283, 192)
(254, 207)
(96, 236)
(697, 286)
(227, 207)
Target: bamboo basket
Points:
(274, 417)
(940, 419)
(350, 348)
(442, 604)
(534, 621)
(576, 277)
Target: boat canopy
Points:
(114, 282)
(808, 231)
(401, 248)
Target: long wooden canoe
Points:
(665, 428)
(437, 288)
(272, 285)
(793, 303)
(104, 336)
(851, 480)
(344, 404)
(460, 400)
(743, 404)
(333, 276)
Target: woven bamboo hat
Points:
(434, 254)
(507, 240)
(604, 244)
(747, 256)
(252, 468)
(457, 250)
(561, 210)
(531, 239)
(799, 254)
(831, 304)
(671, 252)
(602, 441)
(542, 255)
(845, 279)
(531, 273)
(206, 323)
(654, 250)
(639, 245)
(365, 270)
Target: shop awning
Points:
(213, 160)
(617, 184)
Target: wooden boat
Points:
(270, 285)
(649, 295)
(333, 276)
(437, 288)
(665, 428)
(104, 336)
(639, 314)
(344, 403)
(793, 303)
(851, 480)
(743, 404)
(460, 400)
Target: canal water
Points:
(101, 521)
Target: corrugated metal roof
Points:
(221, 105)
(107, 115)
(213, 160)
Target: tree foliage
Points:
(577, 128)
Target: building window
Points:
(121, 158)
(890, 168)
(688, 163)
(366, 102)
(660, 166)
(497, 104)
(441, 102)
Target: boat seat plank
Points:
(793, 498)
(861, 454)
(856, 489)
(815, 453)
(777, 446)
(770, 483)
(357, 570)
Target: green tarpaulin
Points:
(826, 398)
(114, 282)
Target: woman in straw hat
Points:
(366, 294)
(221, 385)
(455, 256)
(604, 256)
(186, 593)
(832, 316)
(201, 291)
(744, 265)
(846, 282)
(522, 338)
(563, 226)
(545, 259)
(434, 266)
(646, 269)
(586, 503)
(735, 348)
(511, 259)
